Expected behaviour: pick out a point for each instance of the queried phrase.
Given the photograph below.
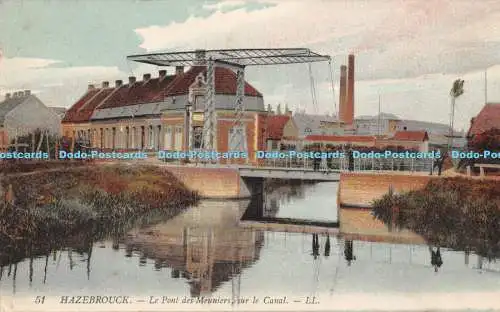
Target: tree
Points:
(488, 140)
(456, 91)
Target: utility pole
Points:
(378, 121)
(456, 91)
(486, 86)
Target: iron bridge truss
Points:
(236, 60)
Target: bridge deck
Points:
(289, 173)
(290, 228)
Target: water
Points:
(206, 251)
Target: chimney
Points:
(349, 117)
(105, 84)
(91, 87)
(7, 96)
(162, 73)
(118, 83)
(131, 81)
(27, 92)
(146, 77)
(179, 70)
(343, 93)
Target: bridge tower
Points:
(237, 60)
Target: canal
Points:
(206, 252)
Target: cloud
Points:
(391, 38)
(408, 51)
(222, 5)
(56, 86)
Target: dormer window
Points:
(308, 130)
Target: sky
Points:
(408, 52)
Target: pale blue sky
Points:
(408, 51)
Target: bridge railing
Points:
(333, 164)
(360, 164)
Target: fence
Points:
(360, 164)
(340, 164)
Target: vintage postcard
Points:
(260, 155)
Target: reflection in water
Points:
(204, 252)
(348, 252)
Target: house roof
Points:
(383, 116)
(276, 125)
(419, 136)
(87, 110)
(313, 122)
(341, 138)
(9, 104)
(139, 93)
(225, 82)
(488, 118)
(143, 93)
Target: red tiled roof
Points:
(488, 118)
(225, 82)
(140, 93)
(79, 104)
(341, 138)
(419, 136)
(276, 125)
(84, 114)
(150, 91)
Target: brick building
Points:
(151, 114)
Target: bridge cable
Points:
(313, 89)
(332, 81)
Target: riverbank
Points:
(458, 213)
(49, 205)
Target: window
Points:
(167, 142)
(197, 137)
(308, 130)
(237, 139)
(274, 145)
(151, 137)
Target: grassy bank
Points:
(458, 213)
(51, 205)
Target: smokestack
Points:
(118, 83)
(105, 84)
(350, 91)
(131, 81)
(343, 93)
(162, 73)
(179, 70)
(146, 77)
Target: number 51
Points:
(39, 299)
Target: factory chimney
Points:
(343, 93)
(349, 117)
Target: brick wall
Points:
(210, 182)
(363, 188)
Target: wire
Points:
(313, 89)
(332, 81)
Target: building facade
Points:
(22, 113)
(164, 113)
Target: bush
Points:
(454, 212)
